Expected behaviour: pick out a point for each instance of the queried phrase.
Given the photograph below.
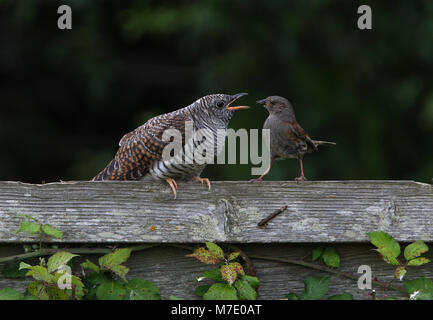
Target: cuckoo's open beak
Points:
(232, 99)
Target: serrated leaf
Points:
(40, 273)
(221, 291)
(238, 268)
(201, 290)
(253, 281)
(344, 296)
(120, 270)
(38, 290)
(292, 296)
(175, 298)
(215, 250)
(52, 232)
(59, 259)
(418, 262)
(415, 249)
(388, 256)
(116, 257)
(214, 275)
(90, 265)
(111, 290)
(29, 227)
(315, 287)
(10, 294)
(229, 273)
(143, 290)
(331, 258)
(204, 255)
(400, 272)
(233, 255)
(385, 243)
(422, 286)
(12, 270)
(24, 265)
(246, 292)
(317, 253)
(55, 293)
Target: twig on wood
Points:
(265, 221)
(325, 269)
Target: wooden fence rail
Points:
(318, 213)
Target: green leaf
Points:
(246, 292)
(215, 250)
(400, 272)
(415, 249)
(233, 255)
(38, 290)
(229, 273)
(10, 294)
(388, 256)
(143, 290)
(331, 258)
(344, 296)
(214, 275)
(40, 273)
(90, 265)
(418, 262)
(175, 298)
(12, 270)
(120, 270)
(385, 243)
(114, 258)
(59, 259)
(201, 290)
(111, 290)
(423, 286)
(317, 253)
(52, 232)
(292, 296)
(204, 256)
(29, 227)
(220, 291)
(315, 287)
(254, 281)
(238, 268)
(55, 293)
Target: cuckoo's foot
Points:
(202, 180)
(257, 180)
(173, 186)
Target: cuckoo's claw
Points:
(202, 180)
(173, 186)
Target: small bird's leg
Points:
(202, 180)
(302, 177)
(173, 186)
(264, 173)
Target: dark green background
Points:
(67, 97)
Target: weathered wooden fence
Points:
(330, 213)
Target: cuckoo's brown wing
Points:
(139, 148)
(296, 129)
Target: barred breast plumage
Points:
(143, 152)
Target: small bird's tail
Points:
(319, 143)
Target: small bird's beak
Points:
(264, 102)
(232, 99)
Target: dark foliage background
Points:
(67, 97)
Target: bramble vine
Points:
(233, 278)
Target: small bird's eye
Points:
(220, 104)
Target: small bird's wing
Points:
(139, 148)
(297, 130)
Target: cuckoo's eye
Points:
(220, 104)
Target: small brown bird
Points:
(141, 152)
(287, 138)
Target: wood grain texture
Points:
(325, 211)
(175, 274)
